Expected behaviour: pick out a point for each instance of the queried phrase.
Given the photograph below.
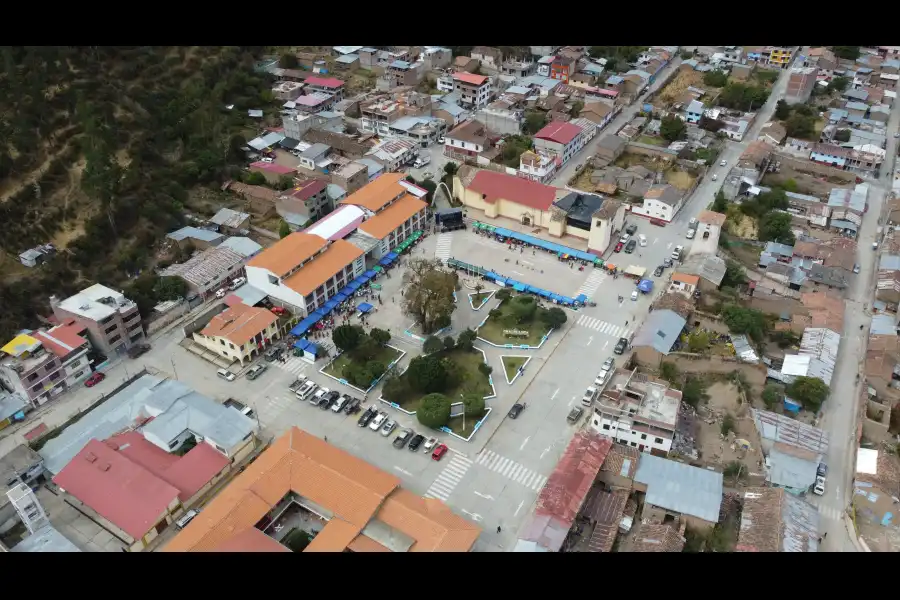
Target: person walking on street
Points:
(498, 529)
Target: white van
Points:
(642, 239)
(186, 518)
(304, 392)
(422, 160)
(225, 374)
(238, 282)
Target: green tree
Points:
(810, 391)
(800, 126)
(376, 369)
(450, 168)
(432, 344)
(429, 186)
(396, 388)
(366, 349)
(776, 226)
(380, 336)
(669, 371)
(426, 374)
(503, 294)
(284, 229)
(720, 204)
(672, 128)
(449, 343)
(555, 317)
(535, 120)
(785, 339)
(694, 392)
(466, 340)
(771, 396)
(734, 469)
(288, 61)
(698, 341)
(347, 337)
(790, 185)
(727, 424)
(576, 109)
(839, 83)
(734, 274)
(748, 321)
(523, 309)
(782, 110)
(846, 52)
(428, 293)
(743, 96)
(474, 405)
(715, 78)
(169, 288)
(711, 125)
(434, 411)
(485, 368)
(255, 178)
(285, 183)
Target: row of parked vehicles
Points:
(310, 391)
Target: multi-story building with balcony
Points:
(112, 321)
(474, 90)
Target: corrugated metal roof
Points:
(681, 488)
(660, 330)
(195, 233)
(242, 245)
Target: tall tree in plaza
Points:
(428, 293)
(347, 337)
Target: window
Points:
(606, 426)
(222, 342)
(115, 339)
(54, 376)
(32, 377)
(110, 329)
(230, 345)
(634, 444)
(658, 440)
(643, 436)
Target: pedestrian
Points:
(825, 536)
(498, 529)
(326, 438)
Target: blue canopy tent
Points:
(303, 326)
(359, 281)
(353, 286)
(331, 305)
(552, 247)
(544, 293)
(581, 298)
(369, 274)
(341, 296)
(519, 287)
(364, 307)
(319, 313)
(531, 289)
(566, 300)
(645, 286)
(385, 261)
(392, 255)
(311, 349)
(302, 344)
(556, 297)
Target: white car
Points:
(339, 404)
(377, 421)
(819, 488)
(691, 233)
(642, 239)
(600, 381)
(624, 239)
(431, 443)
(441, 140)
(221, 293)
(715, 177)
(724, 163)
(634, 295)
(388, 428)
(266, 159)
(238, 282)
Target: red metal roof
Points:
(195, 469)
(328, 82)
(307, 189)
(61, 340)
(470, 78)
(560, 132)
(493, 185)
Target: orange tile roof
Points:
(363, 543)
(323, 267)
(392, 217)
(288, 252)
(251, 540)
(335, 537)
(711, 217)
(352, 489)
(240, 323)
(376, 194)
(689, 279)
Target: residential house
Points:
(563, 139)
(380, 517)
(243, 246)
(792, 448)
(325, 85)
(239, 333)
(350, 177)
(231, 222)
(693, 111)
(436, 57)
(422, 131)
(518, 68)
(801, 82)
(402, 73)
(273, 172)
(21, 465)
(887, 281)
(465, 64)
(637, 410)
(598, 113)
(374, 167)
(313, 103)
(394, 153)
(848, 207)
(684, 284)
(37, 255)
(882, 367)
(490, 58)
(709, 228)
(30, 369)
(195, 237)
(474, 90)
(341, 144)
(610, 148)
(304, 271)
(617, 472)
(136, 490)
(735, 129)
(562, 68)
(287, 90)
(504, 116)
(467, 141)
(709, 267)
(308, 200)
(660, 202)
(540, 167)
(561, 499)
(634, 82)
(314, 159)
(657, 336)
(675, 490)
(451, 113)
(773, 520)
(112, 321)
(348, 62)
(829, 154)
(858, 109)
(208, 271)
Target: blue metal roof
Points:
(681, 488)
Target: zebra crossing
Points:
(449, 478)
(828, 512)
(591, 284)
(442, 250)
(294, 365)
(511, 470)
(603, 327)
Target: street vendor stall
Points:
(645, 286)
(635, 272)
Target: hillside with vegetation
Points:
(99, 149)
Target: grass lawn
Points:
(472, 379)
(480, 298)
(385, 355)
(493, 328)
(651, 140)
(511, 365)
(456, 425)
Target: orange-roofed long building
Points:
(360, 508)
(305, 270)
(239, 332)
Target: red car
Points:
(94, 379)
(440, 451)
(619, 247)
(278, 310)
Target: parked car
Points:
(137, 350)
(278, 310)
(340, 403)
(352, 405)
(574, 415)
(225, 374)
(676, 253)
(330, 399)
(515, 411)
(819, 488)
(255, 371)
(724, 163)
(618, 247)
(378, 421)
(631, 229)
(856, 268)
(186, 518)
(271, 354)
(238, 282)
(367, 416)
(634, 296)
(621, 346)
(608, 364)
(94, 379)
(401, 440)
(440, 451)
(690, 234)
(600, 381)
(643, 240)
(715, 177)
(430, 444)
(658, 271)
(667, 263)
(221, 293)
(822, 470)
(319, 396)
(416, 442)
(658, 222)
(388, 428)
(630, 246)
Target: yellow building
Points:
(240, 332)
(779, 56)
